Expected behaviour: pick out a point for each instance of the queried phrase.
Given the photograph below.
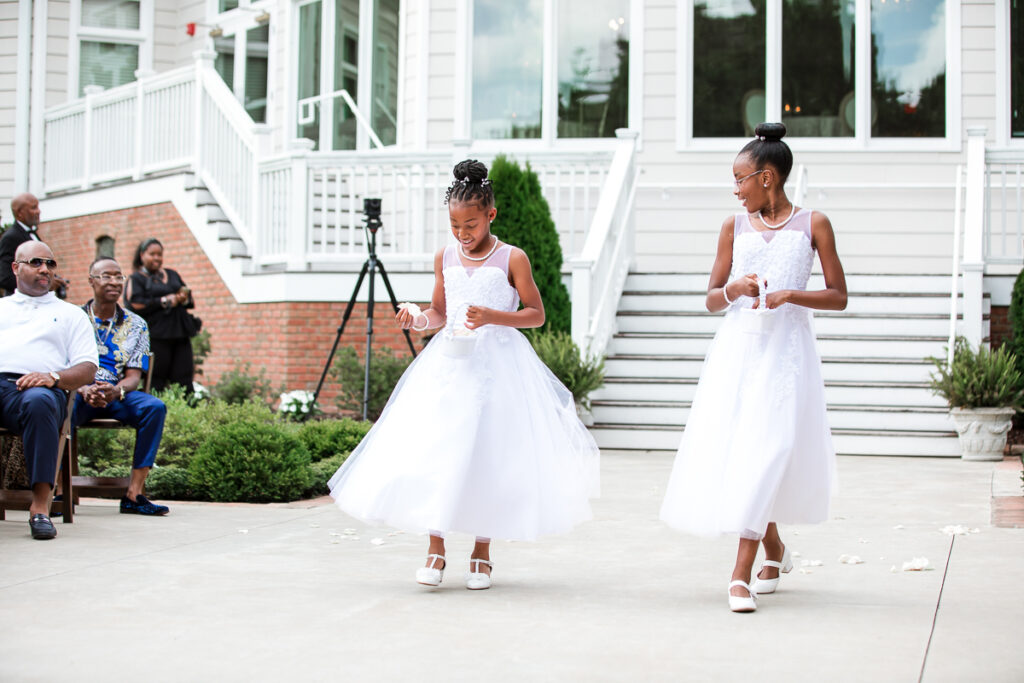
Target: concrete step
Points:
(855, 282)
(825, 323)
(638, 343)
(842, 393)
(685, 301)
(672, 413)
(225, 230)
(213, 213)
(833, 369)
(845, 441)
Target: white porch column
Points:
(38, 99)
(22, 96)
(973, 266)
(298, 216)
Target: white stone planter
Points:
(982, 431)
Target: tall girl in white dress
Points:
(478, 437)
(757, 449)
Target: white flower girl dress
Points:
(757, 446)
(478, 437)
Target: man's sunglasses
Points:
(38, 262)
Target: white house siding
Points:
(879, 229)
(8, 84)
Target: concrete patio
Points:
(290, 592)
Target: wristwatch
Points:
(122, 392)
(56, 379)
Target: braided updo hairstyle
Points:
(767, 148)
(470, 185)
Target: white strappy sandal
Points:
(430, 576)
(478, 580)
(762, 586)
(739, 603)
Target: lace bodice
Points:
(783, 257)
(479, 285)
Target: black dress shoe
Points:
(42, 527)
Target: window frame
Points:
(462, 124)
(236, 23)
(1004, 53)
(328, 81)
(142, 38)
(862, 139)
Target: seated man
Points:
(48, 349)
(122, 341)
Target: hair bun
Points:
(471, 171)
(770, 132)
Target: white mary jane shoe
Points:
(429, 576)
(477, 580)
(762, 586)
(742, 603)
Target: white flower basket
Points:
(982, 431)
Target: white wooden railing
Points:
(303, 209)
(599, 272)
(1004, 217)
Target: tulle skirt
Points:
(487, 444)
(757, 446)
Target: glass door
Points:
(332, 82)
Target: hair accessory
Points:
(485, 182)
(761, 138)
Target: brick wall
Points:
(999, 325)
(290, 340)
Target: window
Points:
(1017, 68)
(112, 41)
(104, 247)
(363, 68)
(242, 61)
(586, 67)
(804, 63)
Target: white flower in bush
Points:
(200, 391)
(297, 403)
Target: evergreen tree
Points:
(524, 220)
(1016, 340)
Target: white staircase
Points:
(873, 362)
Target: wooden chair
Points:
(16, 499)
(102, 487)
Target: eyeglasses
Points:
(38, 262)
(106, 278)
(739, 181)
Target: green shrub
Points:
(240, 384)
(169, 483)
(524, 220)
(982, 379)
(187, 426)
(1016, 340)
(385, 371)
(580, 375)
(100, 449)
(321, 472)
(254, 462)
(200, 350)
(326, 438)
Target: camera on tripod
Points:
(371, 211)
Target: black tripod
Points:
(371, 209)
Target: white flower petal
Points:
(811, 563)
(377, 541)
(917, 564)
(243, 531)
(850, 559)
(898, 527)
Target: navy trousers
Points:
(140, 410)
(36, 415)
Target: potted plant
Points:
(580, 375)
(983, 389)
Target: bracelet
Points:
(426, 324)
(725, 294)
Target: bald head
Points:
(34, 280)
(25, 208)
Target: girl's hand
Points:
(744, 286)
(478, 316)
(776, 299)
(405, 318)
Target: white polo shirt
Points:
(43, 334)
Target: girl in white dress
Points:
(757, 449)
(478, 437)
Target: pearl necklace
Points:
(480, 258)
(768, 225)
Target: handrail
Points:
(599, 272)
(954, 286)
(307, 117)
